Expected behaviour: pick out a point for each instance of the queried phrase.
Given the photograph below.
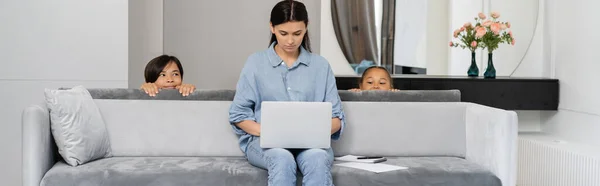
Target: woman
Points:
(375, 78)
(165, 72)
(286, 71)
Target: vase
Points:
(490, 71)
(473, 70)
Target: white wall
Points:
(437, 40)
(145, 37)
(410, 37)
(572, 47)
(52, 44)
(213, 41)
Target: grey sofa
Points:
(172, 140)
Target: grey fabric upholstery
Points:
(157, 171)
(227, 95)
(401, 96)
(169, 141)
(198, 171)
(430, 171)
(77, 126)
(39, 149)
(201, 128)
(403, 129)
(169, 128)
(119, 93)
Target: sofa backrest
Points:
(404, 129)
(169, 127)
(227, 95)
(201, 128)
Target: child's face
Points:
(169, 78)
(376, 79)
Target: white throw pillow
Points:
(77, 126)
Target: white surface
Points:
(575, 61)
(437, 20)
(492, 141)
(46, 39)
(530, 120)
(145, 37)
(410, 38)
(373, 167)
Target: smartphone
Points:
(372, 159)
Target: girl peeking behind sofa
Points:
(165, 72)
(375, 78)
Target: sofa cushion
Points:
(430, 171)
(77, 126)
(166, 171)
(157, 171)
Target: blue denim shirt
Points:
(265, 77)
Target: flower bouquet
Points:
(487, 33)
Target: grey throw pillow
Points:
(77, 126)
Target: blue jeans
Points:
(281, 164)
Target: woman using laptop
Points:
(286, 71)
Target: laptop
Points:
(295, 125)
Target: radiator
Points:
(547, 161)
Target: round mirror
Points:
(523, 17)
(419, 43)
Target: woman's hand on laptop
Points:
(336, 124)
(250, 127)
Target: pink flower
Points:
(462, 28)
(451, 44)
(507, 24)
(467, 25)
(503, 26)
(495, 15)
(456, 33)
(480, 32)
(510, 33)
(487, 23)
(513, 41)
(481, 15)
(473, 44)
(495, 27)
